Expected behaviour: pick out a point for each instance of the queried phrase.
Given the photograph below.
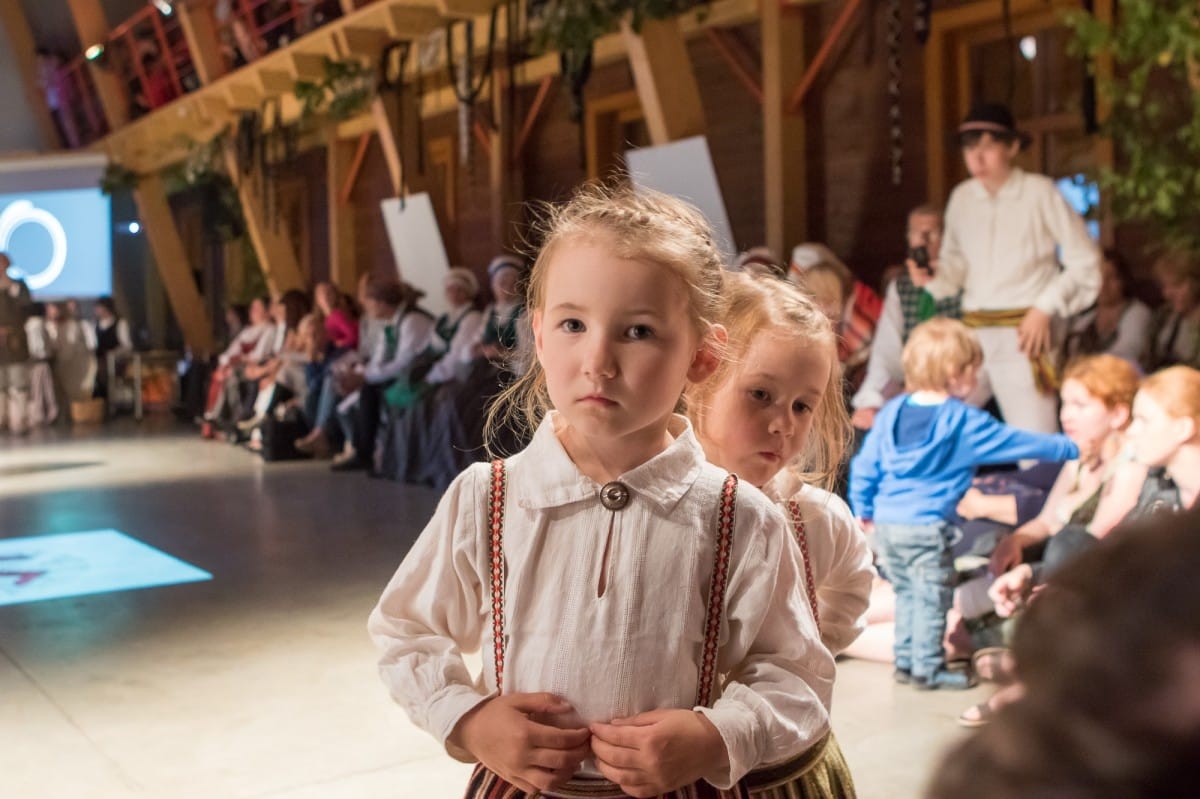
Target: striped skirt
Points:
(817, 773)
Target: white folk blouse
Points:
(839, 556)
(631, 648)
(1003, 251)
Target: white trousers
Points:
(1008, 376)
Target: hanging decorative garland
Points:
(466, 88)
(895, 112)
(922, 19)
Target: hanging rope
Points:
(466, 89)
(895, 113)
(1012, 52)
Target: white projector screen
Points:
(417, 247)
(56, 225)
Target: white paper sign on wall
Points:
(417, 246)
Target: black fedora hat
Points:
(993, 118)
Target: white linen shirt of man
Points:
(1004, 250)
(631, 648)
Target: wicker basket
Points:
(88, 411)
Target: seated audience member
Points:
(405, 335)
(241, 389)
(74, 367)
(243, 346)
(341, 322)
(284, 378)
(43, 404)
(904, 307)
(109, 334)
(1110, 657)
(850, 304)
(1092, 494)
(1176, 335)
(444, 433)
(1118, 324)
(451, 348)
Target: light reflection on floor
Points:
(90, 562)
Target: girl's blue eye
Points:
(639, 332)
(571, 325)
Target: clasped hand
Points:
(646, 754)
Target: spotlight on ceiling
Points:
(94, 52)
(165, 7)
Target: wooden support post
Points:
(92, 26)
(383, 110)
(666, 83)
(14, 28)
(502, 174)
(173, 264)
(200, 30)
(272, 244)
(341, 155)
(784, 150)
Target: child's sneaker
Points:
(944, 679)
(902, 676)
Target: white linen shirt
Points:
(1003, 250)
(413, 329)
(839, 555)
(636, 645)
(461, 351)
(885, 372)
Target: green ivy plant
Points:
(1154, 122)
(344, 91)
(571, 27)
(117, 179)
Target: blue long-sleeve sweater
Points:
(922, 482)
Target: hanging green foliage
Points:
(571, 26)
(344, 91)
(117, 179)
(1154, 122)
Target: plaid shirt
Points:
(917, 305)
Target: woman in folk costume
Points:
(850, 304)
(642, 611)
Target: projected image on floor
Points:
(90, 562)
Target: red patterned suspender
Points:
(716, 592)
(802, 540)
(496, 523)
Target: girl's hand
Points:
(503, 735)
(659, 751)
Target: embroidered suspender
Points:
(802, 540)
(716, 593)
(496, 522)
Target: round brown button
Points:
(614, 495)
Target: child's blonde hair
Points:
(937, 352)
(762, 304)
(642, 225)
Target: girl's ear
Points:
(708, 357)
(1120, 417)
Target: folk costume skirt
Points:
(818, 773)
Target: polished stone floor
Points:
(261, 682)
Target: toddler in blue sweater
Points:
(915, 464)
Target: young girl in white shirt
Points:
(773, 414)
(641, 612)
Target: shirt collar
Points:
(662, 480)
(783, 486)
(1011, 189)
